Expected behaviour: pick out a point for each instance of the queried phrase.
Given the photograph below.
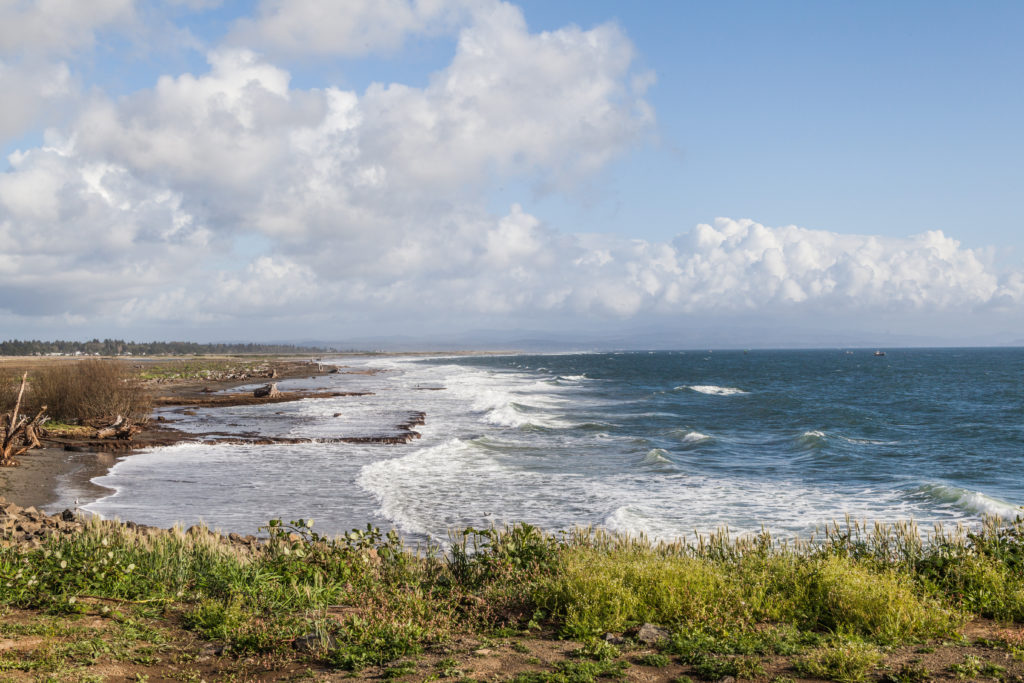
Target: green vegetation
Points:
(911, 672)
(846, 662)
(200, 369)
(364, 602)
(655, 659)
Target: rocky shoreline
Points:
(29, 527)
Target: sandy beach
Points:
(34, 482)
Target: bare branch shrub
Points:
(91, 392)
(9, 382)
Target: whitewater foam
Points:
(694, 437)
(713, 390)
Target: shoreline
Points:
(62, 472)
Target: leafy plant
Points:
(847, 662)
(653, 659)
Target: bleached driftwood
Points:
(122, 428)
(19, 433)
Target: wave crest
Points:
(712, 389)
(971, 501)
(657, 456)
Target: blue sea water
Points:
(661, 443)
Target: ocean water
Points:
(663, 443)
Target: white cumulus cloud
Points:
(346, 27)
(231, 195)
(36, 40)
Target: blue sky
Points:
(555, 169)
(889, 118)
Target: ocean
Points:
(666, 443)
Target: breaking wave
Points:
(712, 390)
(971, 501)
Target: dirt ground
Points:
(119, 647)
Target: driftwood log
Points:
(122, 428)
(267, 391)
(19, 434)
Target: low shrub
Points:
(87, 391)
(600, 590)
(844, 596)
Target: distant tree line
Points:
(120, 347)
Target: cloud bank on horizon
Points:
(230, 197)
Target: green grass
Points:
(655, 659)
(62, 429)
(597, 591)
(848, 662)
(910, 672)
(728, 604)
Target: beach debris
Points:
(19, 435)
(267, 391)
(122, 428)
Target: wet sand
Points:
(44, 471)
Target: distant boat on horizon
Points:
(879, 353)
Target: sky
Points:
(638, 174)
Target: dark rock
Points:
(614, 639)
(67, 516)
(649, 634)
